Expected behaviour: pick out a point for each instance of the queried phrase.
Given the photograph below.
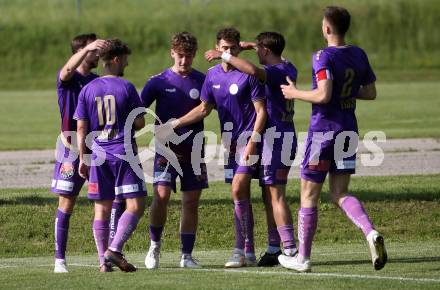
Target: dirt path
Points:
(27, 169)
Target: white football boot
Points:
(187, 261)
(237, 259)
(60, 266)
(294, 263)
(378, 252)
(152, 257)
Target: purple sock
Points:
(61, 232)
(156, 233)
(118, 208)
(357, 214)
(241, 208)
(187, 240)
(249, 241)
(286, 233)
(126, 226)
(307, 222)
(273, 238)
(100, 233)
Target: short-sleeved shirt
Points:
(280, 111)
(68, 93)
(175, 96)
(106, 103)
(233, 94)
(349, 69)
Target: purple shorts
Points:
(66, 180)
(165, 174)
(233, 167)
(115, 179)
(316, 165)
(276, 161)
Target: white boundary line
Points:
(290, 273)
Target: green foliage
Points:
(396, 34)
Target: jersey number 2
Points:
(346, 88)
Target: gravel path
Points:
(27, 169)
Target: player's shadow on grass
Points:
(390, 261)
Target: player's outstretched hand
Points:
(83, 170)
(289, 90)
(163, 132)
(98, 44)
(212, 54)
(247, 45)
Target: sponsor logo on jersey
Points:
(216, 86)
(173, 90)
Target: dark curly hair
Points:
(115, 47)
(184, 42)
(229, 34)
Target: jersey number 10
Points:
(109, 107)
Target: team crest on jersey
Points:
(194, 94)
(233, 89)
(67, 170)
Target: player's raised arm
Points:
(320, 95)
(367, 92)
(239, 63)
(75, 60)
(195, 115)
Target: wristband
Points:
(175, 123)
(226, 57)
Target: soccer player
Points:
(176, 92)
(274, 168)
(66, 182)
(341, 75)
(240, 102)
(103, 107)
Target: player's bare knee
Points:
(66, 203)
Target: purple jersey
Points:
(349, 69)
(68, 93)
(280, 111)
(233, 94)
(175, 96)
(106, 103)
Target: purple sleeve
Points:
(257, 89)
(81, 108)
(206, 94)
(148, 94)
(369, 76)
(321, 61)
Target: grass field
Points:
(406, 209)
(30, 119)
(411, 266)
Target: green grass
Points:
(406, 209)
(30, 119)
(37, 44)
(411, 266)
(403, 208)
